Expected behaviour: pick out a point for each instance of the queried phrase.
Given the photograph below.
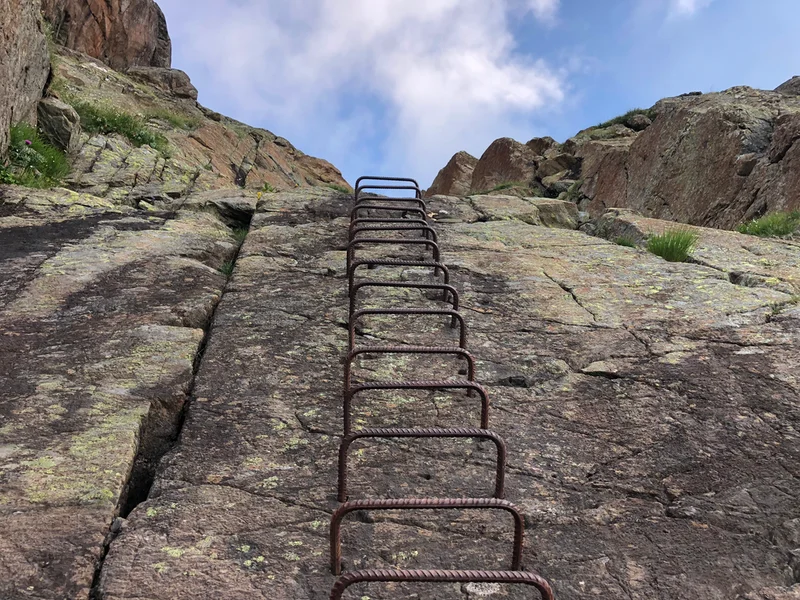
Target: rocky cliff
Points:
(121, 33)
(24, 64)
(706, 159)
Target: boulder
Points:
(541, 145)
(60, 124)
(638, 122)
(172, 81)
(558, 163)
(121, 33)
(505, 161)
(791, 87)
(455, 178)
(24, 64)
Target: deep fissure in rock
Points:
(151, 451)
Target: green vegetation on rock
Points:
(178, 121)
(32, 162)
(622, 119)
(626, 241)
(105, 120)
(674, 245)
(776, 224)
(339, 188)
(227, 268)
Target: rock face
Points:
(455, 179)
(121, 33)
(649, 407)
(24, 64)
(714, 160)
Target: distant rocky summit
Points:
(706, 159)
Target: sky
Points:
(396, 87)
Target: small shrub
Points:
(227, 268)
(268, 189)
(674, 245)
(776, 224)
(106, 120)
(339, 188)
(626, 241)
(32, 162)
(620, 120)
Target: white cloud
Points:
(442, 73)
(687, 7)
(544, 10)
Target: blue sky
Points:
(399, 86)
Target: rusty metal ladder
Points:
(394, 217)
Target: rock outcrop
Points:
(506, 161)
(121, 33)
(456, 177)
(706, 159)
(24, 64)
(205, 150)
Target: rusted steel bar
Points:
(397, 262)
(424, 503)
(417, 202)
(358, 222)
(361, 188)
(382, 178)
(440, 576)
(470, 386)
(462, 340)
(353, 354)
(401, 209)
(432, 432)
(427, 231)
(351, 247)
(447, 289)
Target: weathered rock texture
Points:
(650, 408)
(456, 177)
(714, 160)
(121, 33)
(206, 150)
(24, 64)
(103, 310)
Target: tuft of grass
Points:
(239, 234)
(227, 268)
(177, 121)
(33, 162)
(620, 120)
(267, 188)
(626, 241)
(674, 245)
(106, 120)
(339, 188)
(776, 224)
(504, 186)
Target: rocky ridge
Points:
(714, 160)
